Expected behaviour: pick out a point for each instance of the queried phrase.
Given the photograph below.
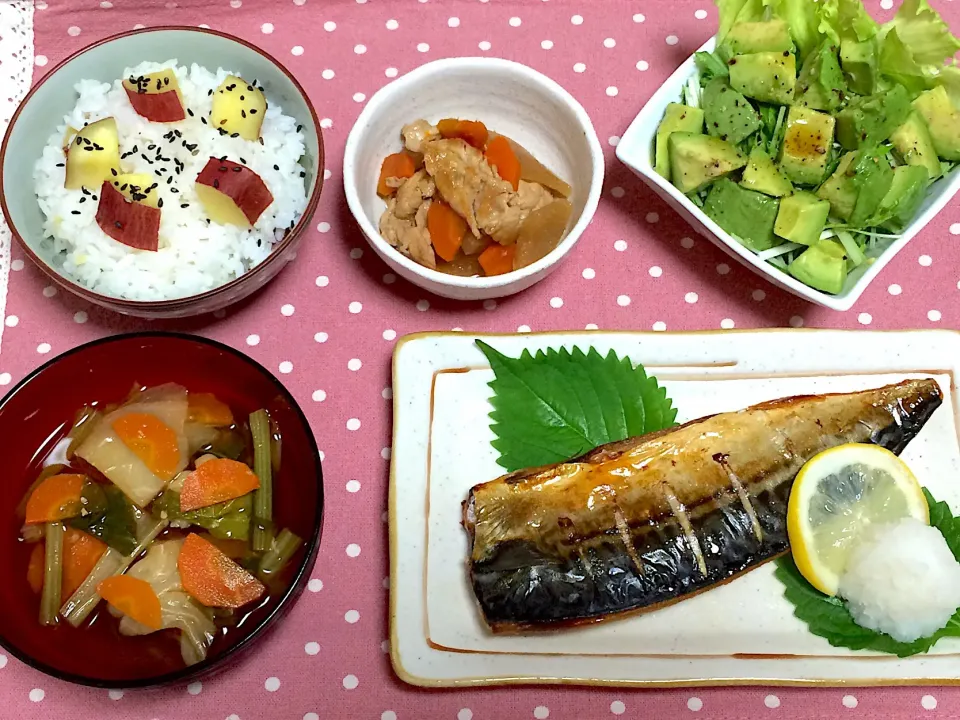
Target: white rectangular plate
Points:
(739, 633)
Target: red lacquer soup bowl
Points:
(39, 412)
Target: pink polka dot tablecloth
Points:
(327, 325)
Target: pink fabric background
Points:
(638, 266)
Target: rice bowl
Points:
(195, 255)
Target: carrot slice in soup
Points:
(446, 229)
(134, 597)
(216, 481)
(56, 498)
(150, 440)
(207, 409)
(500, 155)
(81, 551)
(212, 578)
(35, 567)
(497, 259)
(398, 165)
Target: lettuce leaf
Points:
(846, 20)
(915, 45)
(803, 19)
(923, 32)
(734, 11)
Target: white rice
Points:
(195, 254)
(902, 579)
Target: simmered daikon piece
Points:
(141, 445)
(541, 232)
(462, 265)
(532, 170)
(93, 155)
(238, 107)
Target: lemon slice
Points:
(835, 498)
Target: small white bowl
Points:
(509, 98)
(636, 149)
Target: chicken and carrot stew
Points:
(466, 201)
(161, 507)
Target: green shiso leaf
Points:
(829, 618)
(556, 405)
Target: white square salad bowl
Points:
(636, 150)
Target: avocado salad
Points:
(812, 133)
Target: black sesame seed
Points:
(243, 161)
(87, 148)
(253, 111)
(189, 112)
(123, 187)
(243, 114)
(60, 164)
(94, 198)
(84, 191)
(113, 172)
(209, 93)
(242, 98)
(216, 183)
(203, 120)
(83, 199)
(173, 189)
(151, 146)
(74, 212)
(250, 87)
(166, 81)
(234, 134)
(184, 205)
(119, 225)
(159, 202)
(276, 167)
(169, 179)
(302, 174)
(299, 128)
(116, 183)
(79, 139)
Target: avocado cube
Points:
(840, 190)
(873, 176)
(728, 114)
(747, 215)
(801, 218)
(915, 146)
(822, 266)
(806, 145)
(943, 121)
(697, 160)
(753, 37)
(762, 175)
(765, 76)
(868, 121)
(821, 85)
(859, 62)
(677, 118)
(904, 197)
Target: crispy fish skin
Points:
(637, 524)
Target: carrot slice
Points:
(216, 481)
(207, 409)
(446, 229)
(473, 132)
(212, 578)
(150, 440)
(133, 597)
(398, 165)
(497, 259)
(501, 156)
(35, 567)
(81, 551)
(56, 498)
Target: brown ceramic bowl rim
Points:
(297, 583)
(172, 303)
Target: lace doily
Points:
(16, 74)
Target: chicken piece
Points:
(409, 235)
(501, 215)
(417, 133)
(412, 193)
(464, 178)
